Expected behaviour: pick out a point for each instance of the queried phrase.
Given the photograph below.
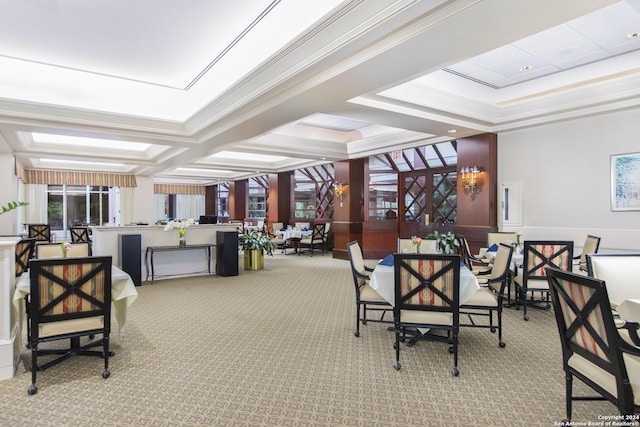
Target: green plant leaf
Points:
(12, 205)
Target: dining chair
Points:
(591, 245)
(592, 348)
(476, 265)
(24, 253)
(80, 234)
(325, 241)
(367, 299)
(427, 295)
(489, 298)
(54, 250)
(539, 255)
(70, 299)
(40, 232)
(497, 237)
(621, 272)
(278, 240)
(303, 225)
(316, 238)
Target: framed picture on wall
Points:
(625, 182)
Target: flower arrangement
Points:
(416, 240)
(65, 247)
(182, 229)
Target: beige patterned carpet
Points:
(276, 347)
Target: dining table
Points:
(383, 281)
(293, 235)
(123, 294)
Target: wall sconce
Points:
(469, 177)
(339, 190)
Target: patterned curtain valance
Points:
(79, 178)
(179, 189)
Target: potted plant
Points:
(254, 245)
(447, 242)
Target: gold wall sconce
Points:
(470, 177)
(340, 189)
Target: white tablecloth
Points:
(293, 233)
(382, 280)
(123, 294)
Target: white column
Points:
(9, 318)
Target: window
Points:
(258, 190)
(383, 196)
(313, 194)
(223, 200)
(77, 204)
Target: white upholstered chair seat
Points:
(605, 379)
(70, 326)
(426, 317)
(483, 297)
(367, 293)
(533, 284)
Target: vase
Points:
(253, 260)
(183, 238)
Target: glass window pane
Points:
(76, 205)
(54, 207)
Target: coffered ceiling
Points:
(203, 92)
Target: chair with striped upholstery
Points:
(70, 298)
(539, 255)
(427, 295)
(54, 250)
(40, 232)
(593, 350)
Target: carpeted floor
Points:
(276, 347)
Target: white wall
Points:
(565, 173)
(144, 201)
(8, 193)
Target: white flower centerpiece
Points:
(181, 226)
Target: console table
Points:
(207, 247)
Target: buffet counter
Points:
(106, 242)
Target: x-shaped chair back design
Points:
(591, 344)
(79, 234)
(542, 254)
(427, 295)
(40, 232)
(24, 252)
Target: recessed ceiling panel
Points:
(593, 37)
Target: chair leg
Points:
(454, 371)
(33, 389)
(569, 394)
(357, 333)
(396, 364)
(27, 310)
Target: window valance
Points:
(179, 189)
(52, 177)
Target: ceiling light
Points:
(632, 36)
(48, 138)
(452, 131)
(82, 162)
(526, 68)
